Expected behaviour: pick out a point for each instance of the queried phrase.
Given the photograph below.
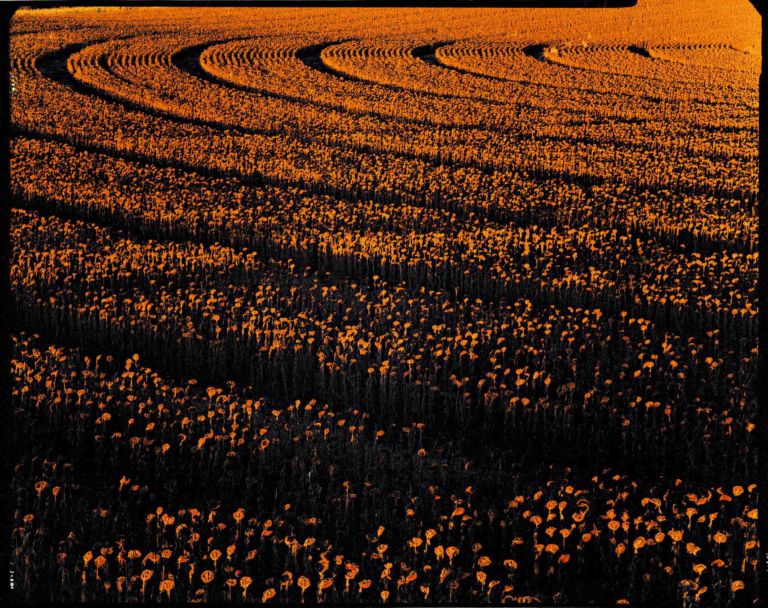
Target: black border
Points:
(8, 321)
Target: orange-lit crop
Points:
(386, 305)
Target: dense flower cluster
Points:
(202, 493)
(506, 367)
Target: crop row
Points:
(514, 373)
(240, 500)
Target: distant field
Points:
(386, 305)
